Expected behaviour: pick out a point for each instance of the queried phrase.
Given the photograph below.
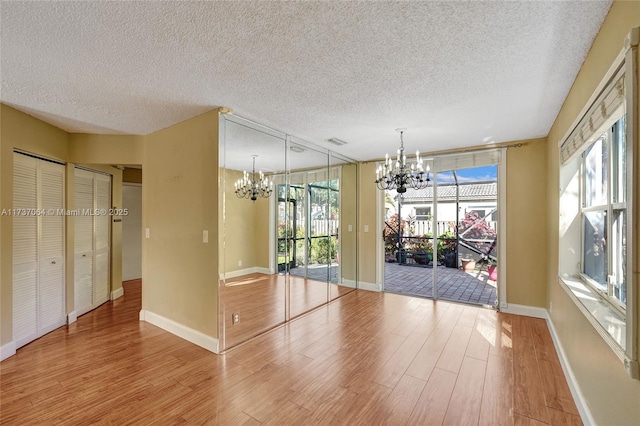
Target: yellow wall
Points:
(367, 241)
(526, 223)
(246, 228)
(261, 230)
(611, 395)
(179, 201)
(348, 217)
(105, 149)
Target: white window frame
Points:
(596, 307)
(609, 207)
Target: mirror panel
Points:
(283, 255)
(343, 277)
(250, 286)
(308, 206)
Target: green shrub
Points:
(323, 250)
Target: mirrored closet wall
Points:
(294, 247)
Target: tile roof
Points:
(468, 191)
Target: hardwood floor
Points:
(368, 358)
(259, 300)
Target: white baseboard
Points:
(72, 317)
(369, 286)
(180, 330)
(119, 292)
(576, 392)
(7, 350)
(348, 283)
(246, 271)
(524, 310)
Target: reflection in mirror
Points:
(307, 200)
(343, 219)
(252, 294)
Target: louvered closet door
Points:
(25, 251)
(38, 248)
(51, 246)
(83, 242)
(102, 238)
(92, 240)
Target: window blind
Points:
(605, 110)
(466, 160)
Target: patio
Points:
(453, 284)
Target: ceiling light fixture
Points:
(336, 141)
(250, 187)
(400, 175)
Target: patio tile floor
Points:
(453, 284)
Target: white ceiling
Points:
(454, 73)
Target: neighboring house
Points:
(477, 196)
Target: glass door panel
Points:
(470, 241)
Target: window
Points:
(480, 212)
(604, 215)
(596, 217)
(423, 213)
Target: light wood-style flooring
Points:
(367, 358)
(259, 299)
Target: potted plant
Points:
(493, 272)
(492, 267)
(447, 243)
(468, 265)
(422, 250)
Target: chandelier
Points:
(400, 174)
(250, 187)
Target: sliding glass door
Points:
(442, 242)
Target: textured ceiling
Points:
(454, 73)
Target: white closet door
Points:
(38, 248)
(102, 238)
(83, 242)
(51, 246)
(92, 240)
(25, 250)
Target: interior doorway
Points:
(132, 231)
(132, 224)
